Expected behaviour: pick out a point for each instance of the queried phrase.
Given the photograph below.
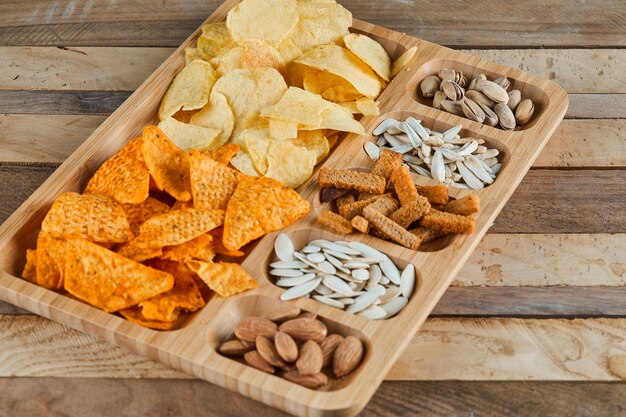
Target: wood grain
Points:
(26, 138)
(444, 349)
(139, 23)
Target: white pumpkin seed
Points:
(310, 249)
(316, 257)
(390, 294)
(329, 301)
(292, 282)
(283, 246)
(365, 300)
(300, 290)
(340, 248)
(394, 306)
(383, 126)
(360, 274)
(288, 265)
(355, 264)
(337, 285)
(390, 271)
(367, 251)
(372, 150)
(327, 267)
(375, 275)
(286, 272)
(373, 313)
(407, 280)
(323, 289)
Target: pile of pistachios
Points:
(481, 100)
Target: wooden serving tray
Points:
(192, 348)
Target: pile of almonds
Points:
(481, 100)
(296, 345)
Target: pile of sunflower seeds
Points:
(442, 156)
(346, 275)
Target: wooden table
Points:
(535, 324)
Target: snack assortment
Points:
(142, 239)
(443, 156)
(296, 346)
(481, 100)
(280, 79)
(345, 275)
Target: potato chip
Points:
(30, 269)
(367, 106)
(321, 22)
(124, 177)
(290, 164)
(93, 217)
(341, 62)
(191, 54)
(257, 145)
(370, 52)
(260, 205)
(178, 226)
(168, 165)
(280, 129)
(189, 90)
(187, 136)
(134, 315)
(288, 50)
(214, 41)
(223, 154)
(330, 86)
(109, 281)
(50, 262)
(313, 140)
(139, 213)
(224, 278)
(265, 20)
(251, 54)
(216, 115)
(248, 91)
(402, 60)
(350, 106)
(184, 295)
(212, 183)
(218, 245)
(130, 250)
(199, 248)
(184, 116)
(243, 163)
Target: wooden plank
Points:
(141, 23)
(28, 397)
(124, 69)
(445, 349)
(597, 106)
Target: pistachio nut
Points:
(453, 107)
(475, 80)
(452, 90)
(493, 91)
(491, 118)
(479, 97)
(430, 85)
(447, 74)
(505, 116)
(515, 96)
(524, 112)
(460, 79)
(472, 110)
(503, 82)
(438, 98)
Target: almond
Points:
(347, 356)
(305, 329)
(250, 328)
(286, 312)
(313, 381)
(286, 347)
(266, 349)
(254, 359)
(311, 359)
(235, 347)
(329, 345)
(307, 315)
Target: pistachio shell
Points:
(505, 116)
(472, 110)
(453, 107)
(524, 112)
(515, 97)
(452, 90)
(503, 82)
(447, 74)
(480, 98)
(429, 86)
(491, 118)
(493, 91)
(473, 84)
(438, 98)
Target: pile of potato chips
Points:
(280, 79)
(142, 238)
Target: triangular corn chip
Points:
(139, 213)
(224, 278)
(212, 183)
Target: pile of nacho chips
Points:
(280, 79)
(143, 238)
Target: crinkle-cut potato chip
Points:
(288, 50)
(130, 250)
(290, 164)
(341, 62)
(265, 20)
(139, 213)
(321, 22)
(199, 248)
(248, 91)
(370, 52)
(223, 154)
(124, 177)
(218, 244)
(185, 295)
(108, 280)
(214, 41)
(260, 205)
(168, 164)
(178, 226)
(191, 54)
(257, 146)
(30, 269)
(134, 315)
(216, 115)
(402, 60)
(94, 217)
(187, 136)
(212, 183)
(224, 278)
(243, 163)
(367, 106)
(330, 86)
(189, 90)
(280, 129)
(251, 54)
(313, 140)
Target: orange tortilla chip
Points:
(225, 279)
(130, 250)
(139, 213)
(124, 177)
(260, 205)
(134, 316)
(218, 244)
(212, 183)
(178, 226)
(223, 154)
(109, 281)
(179, 205)
(50, 261)
(92, 217)
(30, 269)
(185, 295)
(198, 248)
(168, 164)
